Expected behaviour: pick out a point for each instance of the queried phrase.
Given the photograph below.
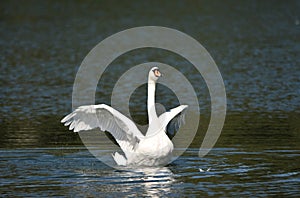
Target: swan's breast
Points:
(156, 146)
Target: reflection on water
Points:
(255, 45)
(153, 181)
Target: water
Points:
(72, 171)
(255, 45)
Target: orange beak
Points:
(157, 73)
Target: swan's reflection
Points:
(154, 181)
(137, 182)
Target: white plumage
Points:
(154, 148)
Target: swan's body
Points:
(155, 148)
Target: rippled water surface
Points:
(255, 45)
(73, 171)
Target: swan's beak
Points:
(157, 73)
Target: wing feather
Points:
(107, 119)
(173, 119)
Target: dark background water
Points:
(255, 45)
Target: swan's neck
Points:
(152, 116)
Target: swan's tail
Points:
(119, 159)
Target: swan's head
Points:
(154, 74)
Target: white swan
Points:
(155, 148)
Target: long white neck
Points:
(152, 116)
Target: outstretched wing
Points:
(107, 119)
(173, 119)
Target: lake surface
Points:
(72, 171)
(255, 45)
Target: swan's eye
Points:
(157, 73)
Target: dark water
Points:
(72, 171)
(255, 45)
